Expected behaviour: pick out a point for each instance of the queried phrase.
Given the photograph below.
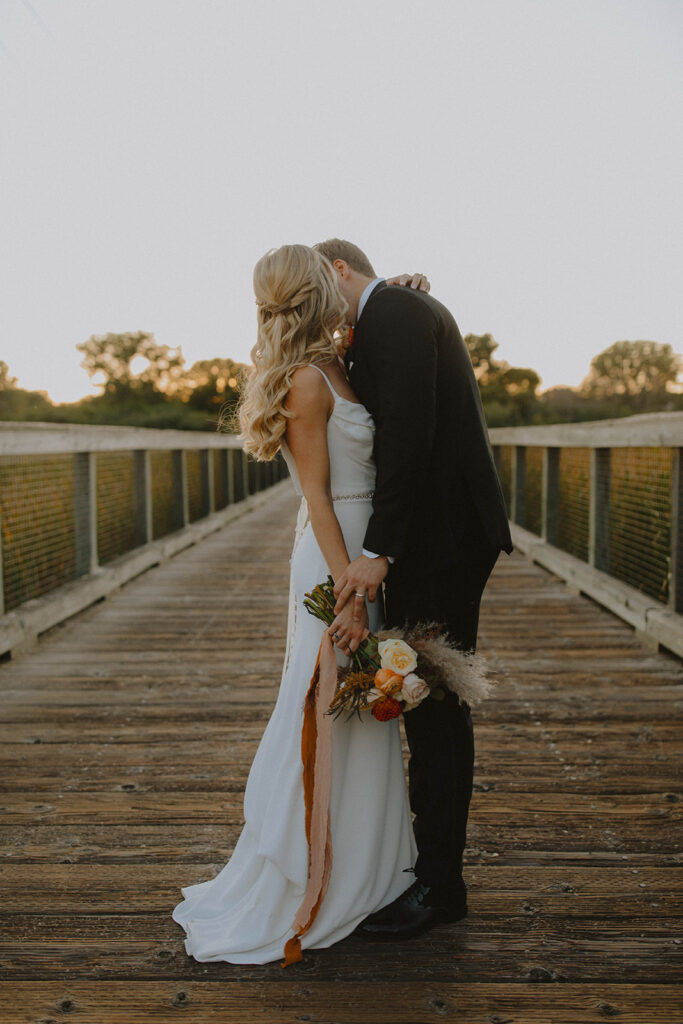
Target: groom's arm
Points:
(402, 344)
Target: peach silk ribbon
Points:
(316, 755)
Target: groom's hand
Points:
(360, 579)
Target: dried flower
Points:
(386, 709)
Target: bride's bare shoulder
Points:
(307, 376)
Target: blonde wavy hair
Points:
(300, 307)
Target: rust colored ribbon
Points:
(316, 755)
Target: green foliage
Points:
(644, 372)
(160, 391)
(17, 404)
(214, 385)
(627, 378)
(109, 357)
(508, 393)
(145, 384)
(6, 382)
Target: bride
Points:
(298, 400)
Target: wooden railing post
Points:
(85, 512)
(598, 537)
(676, 575)
(142, 496)
(518, 486)
(550, 494)
(181, 498)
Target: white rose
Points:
(414, 689)
(397, 656)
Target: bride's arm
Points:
(309, 399)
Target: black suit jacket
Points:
(436, 478)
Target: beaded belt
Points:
(362, 496)
(303, 520)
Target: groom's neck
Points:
(359, 283)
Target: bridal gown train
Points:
(244, 915)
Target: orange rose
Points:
(388, 682)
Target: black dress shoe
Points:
(416, 910)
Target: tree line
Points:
(626, 378)
(143, 383)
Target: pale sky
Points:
(525, 154)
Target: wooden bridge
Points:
(127, 737)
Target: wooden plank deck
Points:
(126, 741)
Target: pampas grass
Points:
(442, 664)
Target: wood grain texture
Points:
(127, 738)
(248, 1002)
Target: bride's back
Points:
(350, 442)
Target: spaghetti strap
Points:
(334, 393)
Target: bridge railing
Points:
(85, 508)
(601, 504)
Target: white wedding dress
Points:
(244, 914)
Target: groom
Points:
(437, 527)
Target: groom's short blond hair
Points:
(339, 249)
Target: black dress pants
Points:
(439, 732)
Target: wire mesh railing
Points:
(640, 519)
(37, 525)
(608, 493)
(220, 481)
(165, 514)
(115, 481)
(534, 486)
(573, 502)
(106, 493)
(195, 496)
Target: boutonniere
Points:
(344, 342)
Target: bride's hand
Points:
(417, 281)
(347, 631)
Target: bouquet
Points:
(395, 670)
